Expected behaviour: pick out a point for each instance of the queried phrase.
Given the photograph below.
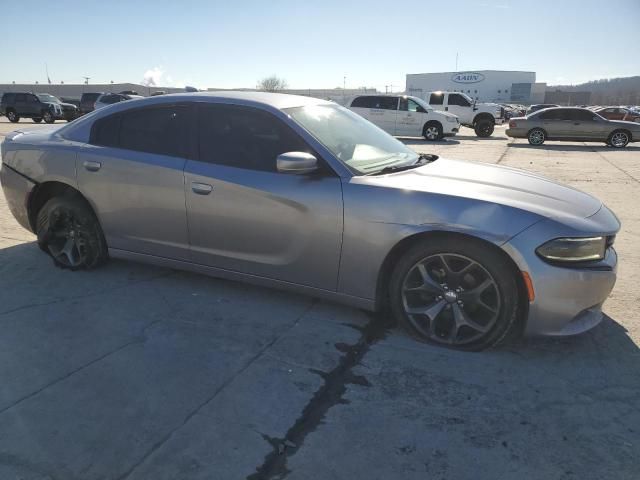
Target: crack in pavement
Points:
(155, 447)
(331, 393)
(87, 295)
(140, 338)
(614, 165)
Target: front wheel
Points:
(432, 131)
(48, 117)
(456, 293)
(69, 232)
(619, 139)
(36, 120)
(536, 137)
(484, 128)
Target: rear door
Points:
(557, 122)
(132, 174)
(247, 217)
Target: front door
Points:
(245, 216)
(132, 174)
(459, 106)
(411, 118)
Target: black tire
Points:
(36, 120)
(48, 117)
(488, 263)
(536, 136)
(13, 116)
(66, 219)
(432, 131)
(484, 128)
(619, 139)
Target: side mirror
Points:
(298, 163)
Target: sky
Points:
(235, 43)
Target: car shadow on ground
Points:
(574, 148)
(423, 142)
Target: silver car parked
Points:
(573, 124)
(303, 194)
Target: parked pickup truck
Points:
(482, 117)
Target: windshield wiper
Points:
(422, 160)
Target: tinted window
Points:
(364, 102)
(456, 99)
(582, 115)
(21, 97)
(110, 99)
(159, 130)
(557, 114)
(436, 99)
(244, 137)
(105, 131)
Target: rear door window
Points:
(436, 99)
(364, 102)
(161, 130)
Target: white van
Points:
(405, 116)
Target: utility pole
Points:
(456, 62)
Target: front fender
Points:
(376, 220)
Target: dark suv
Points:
(87, 101)
(37, 106)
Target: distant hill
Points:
(608, 91)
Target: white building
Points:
(483, 85)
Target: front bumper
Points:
(499, 121)
(515, 132)
(568, 299)
(17, 191)
(451, 132)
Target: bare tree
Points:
(272, 84)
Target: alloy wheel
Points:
(451, 299)
(431, 133)
(11, 116)
(67, 241)
(619, 139)
(536, 137)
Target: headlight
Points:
(452, 119)
(573, 249)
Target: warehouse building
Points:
(483, 85)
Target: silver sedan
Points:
(302, 194)
(573, 124)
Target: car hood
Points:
(493, 183)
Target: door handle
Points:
(92, 166)
(201, 188)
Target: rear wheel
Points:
(618, 139)
(69, 232)
(432, 131)
(484, 128)
(48, 117)
(456, 293)
(536, 136)
(13, 116)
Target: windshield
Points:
(45, 97)
(361, 145)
